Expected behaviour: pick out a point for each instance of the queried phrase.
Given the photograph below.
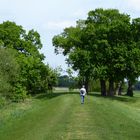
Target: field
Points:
(61, 116)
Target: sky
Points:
(50, 17)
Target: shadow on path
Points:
(122, 98)
(53, 95)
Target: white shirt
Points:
(83, 91)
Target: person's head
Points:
(83, 86)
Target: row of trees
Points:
(104, 47)
(22, 70)
(66, 81)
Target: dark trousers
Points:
(82, 99)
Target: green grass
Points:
(60, 116)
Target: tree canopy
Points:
(21, 59)
(104, 46)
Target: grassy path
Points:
(61, 116)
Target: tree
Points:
(9, 70)
(133, 58)
(109, 46)
(34, 76)
(102, 47)
(71, 41)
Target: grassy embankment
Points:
(61, 116)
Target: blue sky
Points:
(50, 17)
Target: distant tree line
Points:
(66, 81)
(22, 70)
(103, 47)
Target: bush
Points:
(19, 93)
(94, 85)
(2, 101)
(9, 69)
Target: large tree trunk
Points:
(86, 83)
(130, 89)
(116, 88)
(111, 88)
(120, 88)
(103, 87)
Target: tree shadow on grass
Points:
(53, 95)
(122, 98)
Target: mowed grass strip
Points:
(60, 116)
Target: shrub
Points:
(19, 93)
(2, 101)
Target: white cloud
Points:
(58, 25)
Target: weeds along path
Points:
(40, 122)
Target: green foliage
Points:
(94, 86)
(104, 46)
(3, 101)
(66, 81)
(22, 69)
(19, 93)
(9, 69)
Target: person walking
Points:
(82, 94)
